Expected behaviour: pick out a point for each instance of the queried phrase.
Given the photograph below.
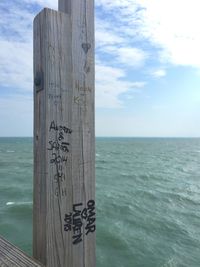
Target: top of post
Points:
(64, 6)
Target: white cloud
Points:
(111, 42)
(16, 54)
(129, 56)
(110, 84)
(44, 3)
(16, 31)
(106, 38)
(16, 65)
(16, 24)
(105, 35)
(110, 39)
(172, 26)
(124, 5)
(159, 73)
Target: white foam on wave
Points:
(10, 151)
(10, 203)
(97, 155)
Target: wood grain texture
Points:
(64, 140)
(10, 256)
(65, 6)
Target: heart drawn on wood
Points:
(86, 47)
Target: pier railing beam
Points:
(64, 140)
(11, 256)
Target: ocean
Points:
(147, 198)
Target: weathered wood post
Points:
(64, 140)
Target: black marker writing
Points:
(59, 148)
(75, 220)
(54, 127)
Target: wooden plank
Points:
(11, 256)
(64, 150)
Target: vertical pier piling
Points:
(64, 139)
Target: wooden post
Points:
(64, 141)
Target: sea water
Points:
(147, 198)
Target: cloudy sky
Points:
(147, 67)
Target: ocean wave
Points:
(102, 161)
(127, 175)
(170, 263)
(182, 198)
(148, 197)
(10, 151)
(19, 210)
(101, 168)
(10, 203)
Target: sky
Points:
(147, 67)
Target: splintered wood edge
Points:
(11, 256)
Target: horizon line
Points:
(109, 136)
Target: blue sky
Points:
(147, 67)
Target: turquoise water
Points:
(148, 200)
